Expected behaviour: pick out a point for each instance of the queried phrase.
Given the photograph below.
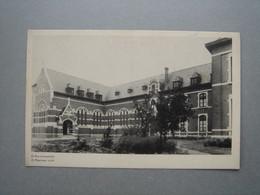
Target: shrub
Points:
(223, 143)
(132, 131)
(106, 143)
(79, 145)
(143, 145)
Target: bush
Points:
(79, 145)
(143, 145)
(106, 143)
(132, 131)
(222, 143)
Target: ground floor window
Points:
(111, 118)
(97, 118)
(82, 116)
(202, 123)
(124, 117)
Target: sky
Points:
(112, 58)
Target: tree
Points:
(146, 113)
(164, 114)
(171, 111)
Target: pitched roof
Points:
(204, 71)
(60, 80)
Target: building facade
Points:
(64, 104)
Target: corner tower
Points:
(221, 51)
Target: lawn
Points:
(92, 145)
(198, 145)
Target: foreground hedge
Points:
(143, 145)
(223, 143)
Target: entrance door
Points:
(67, 127)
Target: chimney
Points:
(166, 78)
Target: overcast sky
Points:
(115, 58)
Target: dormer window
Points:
(98, 97)
(195, 79)
(153, 87)
(80, 92)
(178, 82)
(144, 87)
(117, 93)
(90, 95)
(129, 90)
(69, 89)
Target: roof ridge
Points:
(77, 77)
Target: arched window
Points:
(42, 111)
(202, 123)
(111, 117)
(123, 117)
(202, 100)
(153, 87)
(97, 118)
(82, 116)
(137, 118)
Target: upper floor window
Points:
(130, 90)
(203, 100)
(90, 95)
(153, 88)
(144, 87)
(70, 90)
(80, 92)
(98, 97)
(195, 79)
(42, 89)
(117, 93)
(177, 84)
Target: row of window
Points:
(90, 95)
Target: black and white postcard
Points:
(133, 99)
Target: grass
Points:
(198, 145)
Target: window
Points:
(124, 117)
(97, 118)
(117, 93)
(70, 90)
(144, 87)
(80, 92)
(195, 79)
(42, 89)
(82, 116)
(137, 118)
(202, 100)
(177, 84)
(111, 118)
(182, 126)
(90, 95)
(153, 88)
(231, 68)
(129, 90)
(42, 111)
(202, 123)
(98, 97)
